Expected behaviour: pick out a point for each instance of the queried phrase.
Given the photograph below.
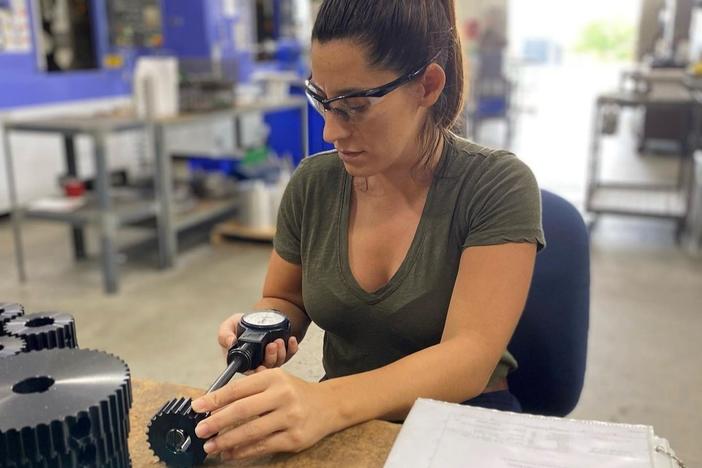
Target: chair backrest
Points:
(550, 342)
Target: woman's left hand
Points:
(272, 410)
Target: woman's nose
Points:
(334, 128)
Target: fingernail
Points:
(230, 341)
(210, 446)
(198, 405)
(202, 430)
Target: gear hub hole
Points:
(177, 441)
(81, 428)
(33, 385)
(40, 322)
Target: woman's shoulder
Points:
(468, 151)
(479, 160)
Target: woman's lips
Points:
(348, 155)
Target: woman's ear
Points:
(432, 85)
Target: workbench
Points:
(364, 445)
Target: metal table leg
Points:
(14, 207)
(108, 221)
(593, 166)
(167, 236)
(77, 233)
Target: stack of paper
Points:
(444, 435)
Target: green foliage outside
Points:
(607, 40)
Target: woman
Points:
(412, 248)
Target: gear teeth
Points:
(9, 311)
(11, 346)
(94, 436)
(176, 414)
(44, 330)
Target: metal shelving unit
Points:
(124, 213)
(107, 213)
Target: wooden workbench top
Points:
(365, 445)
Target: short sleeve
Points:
(506, 204)
(288, 235)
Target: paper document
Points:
(444, 435)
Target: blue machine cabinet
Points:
(202, 29)
(22, 83)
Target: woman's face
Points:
(384, 137)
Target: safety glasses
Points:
(353, 107)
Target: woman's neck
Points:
(408, 179)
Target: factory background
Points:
(152, 222)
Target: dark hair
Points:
(402, 35)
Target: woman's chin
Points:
(355, 170)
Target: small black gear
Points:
(64, 407)
(171, 434)
(11, 346)
(9, 311)
(44, 330)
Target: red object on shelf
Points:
(73, 187)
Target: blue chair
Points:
(550, 342)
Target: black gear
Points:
(9, 311)
(64, 407)
(173, 426)
(44, 330)
(11, 346)
(119, 460)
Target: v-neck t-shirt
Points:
(478, 196)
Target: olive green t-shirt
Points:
(478, 197)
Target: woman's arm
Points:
(282, 290)
(487, 301)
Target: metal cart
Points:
(656, 200)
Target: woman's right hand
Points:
(276, 354)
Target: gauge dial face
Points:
(263, 319)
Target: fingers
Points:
(292, 347)
(276, 354)
(235, 413)
(270, 356)
(250, 433)
(233, 391)
(226, 335)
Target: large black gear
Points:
(118, 460)
(11, 346)
(171, 434)
(64, 408)
(9, 311)
(44, 330)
